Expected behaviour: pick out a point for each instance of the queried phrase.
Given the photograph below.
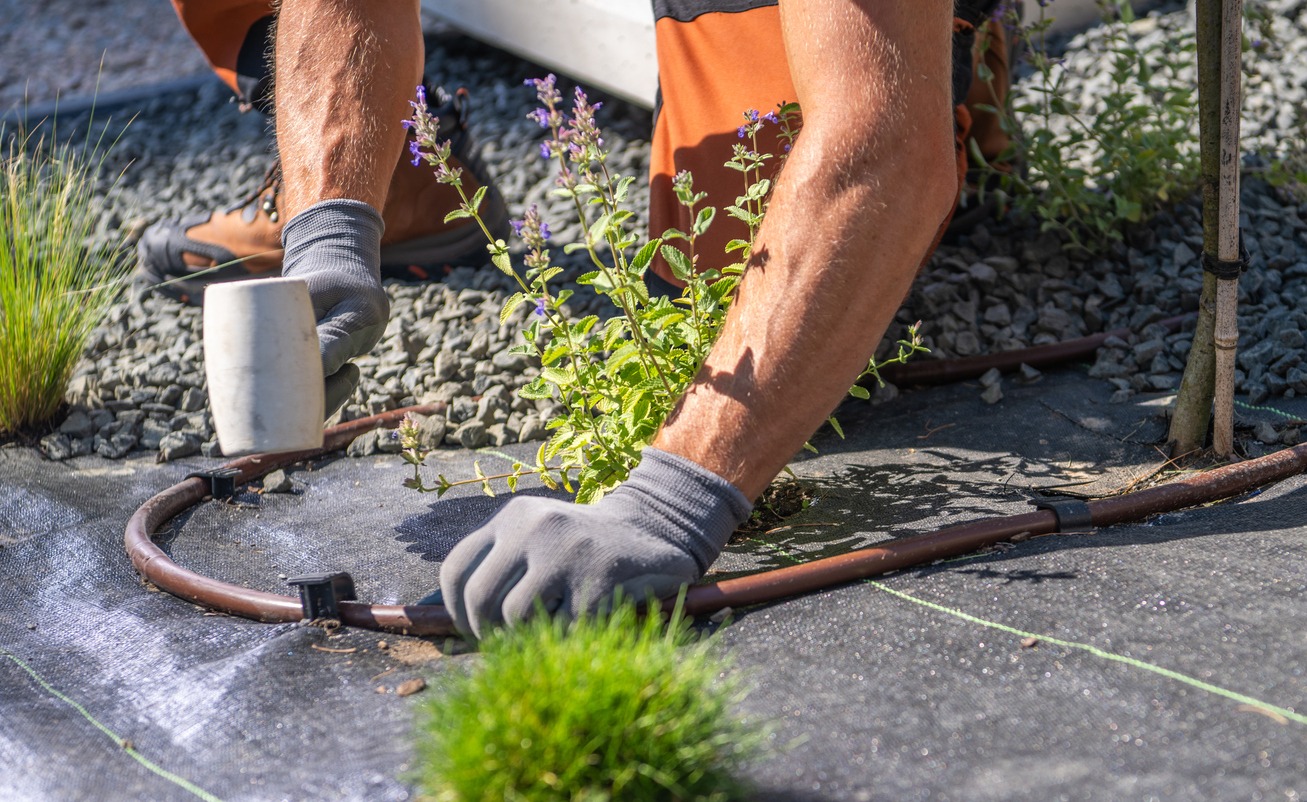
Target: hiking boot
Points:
(179, 258)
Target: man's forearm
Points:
(859, 202)
(345, 71)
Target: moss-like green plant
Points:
(55, 284)
(605, 708)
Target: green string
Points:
(1086, 647)
(1097, 652)
(1279, 412)
(130, 750)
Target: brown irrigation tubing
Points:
(158, 568)
(943, 371)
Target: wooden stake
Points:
(1226, 337)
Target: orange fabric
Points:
(711, 70)
(219, 28)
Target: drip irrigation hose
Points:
(944, 371)
(157, 568)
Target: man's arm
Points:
(865, 189)
(858, 203)
(345, 70)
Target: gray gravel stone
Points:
(278, 482)
(471, 434)
(176, 445)
(993, 394)
(77, 424)
(56, 446)
(365, 445)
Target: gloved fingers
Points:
(455, 572)
(484, 593)
(531, 595)
(340, 386)
(341, 337)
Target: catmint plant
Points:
(616, 380)
(1093, 166)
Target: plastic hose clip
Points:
(1228, 271)
(1073, 515)
(321, 594)
(222, 481)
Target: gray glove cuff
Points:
(345, 234)
(705, 507)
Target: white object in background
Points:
(262, 360)
(608, 44)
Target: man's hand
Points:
(335, 246)
(657, 532)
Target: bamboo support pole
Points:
(1226, 336)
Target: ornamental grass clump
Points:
(56, 285)
(606, 708)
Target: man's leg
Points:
(865, 189)
(345, 72)
(235, 36)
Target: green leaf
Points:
(561, 377)
(501, 261)
(678, 262)
(834, 424)
(510, 306)
(704, 219)
(475, 203)
(645, 255)
(535, 390)
(457, 214)
(859, 392)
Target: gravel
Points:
(1006, 285)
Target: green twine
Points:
(127, 747)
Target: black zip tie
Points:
(222, 481)
(1228, 271)
(1073, 515)
(321, 594)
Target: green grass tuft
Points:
(56, 285)
(606, 708)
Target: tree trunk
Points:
(1193, 403)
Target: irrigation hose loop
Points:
(1189, 491)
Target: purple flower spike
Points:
(740, 132)
(540, 307)
(544, 230)
(422, 94)
(517, 226)
(416, 150)
(545, 151)
(752, 114)
(771, 117)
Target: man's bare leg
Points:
(346, 70)
(860, 200)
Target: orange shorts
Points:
(719, 58)
(234, 37)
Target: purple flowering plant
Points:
(616, 379)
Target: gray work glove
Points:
(335, 246)
(657, 532)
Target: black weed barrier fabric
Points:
(1166, 659)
